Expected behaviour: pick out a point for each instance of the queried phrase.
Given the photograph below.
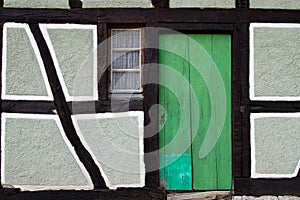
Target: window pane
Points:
(126, 60)
(125, 81)
(126, 39)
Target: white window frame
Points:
(126, 91)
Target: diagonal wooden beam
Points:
(64, 112)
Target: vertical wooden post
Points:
(242, 4)
(241, 112)
(150, 75)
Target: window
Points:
(125, 72)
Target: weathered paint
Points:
(274, 61)
(181, 110)
(278, 4)
(214, 170)
(178, 174)
(37, 155)
(176, 103)
(275, 145)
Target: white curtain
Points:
(126, 62)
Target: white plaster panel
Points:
(36, 154)
(115, 140)
(36, 3)
(23, 72)
(275, 145)
(202, 3)
(73, 48)
(117, 3)
(274, 61)
(278, 4)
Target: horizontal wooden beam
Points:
(76, 107)
(37, 107)
(259, 187)
(275, 106)
(122, 193)
(139, 15)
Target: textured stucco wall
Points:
(276, 61)
(278, 4)
(36, 3)
(23, 74)
(203, 3)
(117, 3)
(74, 52)
(116, 143)
(35, 154)
(276, 145)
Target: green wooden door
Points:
(195, 112)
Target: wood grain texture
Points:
(212, 172)
(122, 193)
(243, 34)
(38, 107)
(64, 112)
(241, 107)
(102, 61)
(275, 106)
(137, 15)
(259, 187)
(175, 98)
(236, 114)
(150, 87)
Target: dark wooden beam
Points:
(75, 3)
(242, 4)
(103, 61)
(241, 102)
(150, 85)
(64, 112)
(37, 107)
(122, 193)
(161, 3)
(75, 107)
(275, 106)
(1, 3)
(236, 102)
(274, 187)
(139, 15)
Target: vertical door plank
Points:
(204, 170)
(176, 155)
(221, 53)
(214, 170)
